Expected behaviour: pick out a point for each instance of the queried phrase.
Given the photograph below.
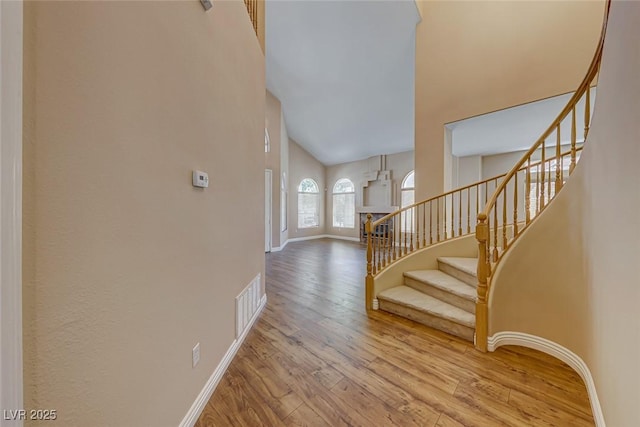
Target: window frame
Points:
(267, 141)
(404, 186)
(316, 197)
(405, 189)
(334, 195)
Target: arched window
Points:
(407, 198)
(407, 190)
(344, 204)
(308, 204)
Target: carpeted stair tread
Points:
(416, 300)
(466, 265)
(443, 281)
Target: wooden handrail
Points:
(577, 96)
(448, 215)
(492, 249)
(414, 227)
(460, 189)
(457, 190)
(440, 218)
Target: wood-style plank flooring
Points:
(314, 358)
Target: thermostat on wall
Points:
(200, 179)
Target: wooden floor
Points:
(314, 358)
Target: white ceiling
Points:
(344, 72)
(515, 128)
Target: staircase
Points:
(443, 299)
(496, 211)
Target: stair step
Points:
(407, 302)
(444, 287)
(463, 269)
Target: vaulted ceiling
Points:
(344, 72)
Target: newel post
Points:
(369, 278)
(482, 234)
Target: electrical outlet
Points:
(195, 355)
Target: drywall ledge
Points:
(559, 352)
(196, 409)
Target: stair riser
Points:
(434, 322)
(458, 274)
(442, 295)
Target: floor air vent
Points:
(247, 303)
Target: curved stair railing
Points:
(446, 216)
(501, 222)
(510, 202)
(441, 218)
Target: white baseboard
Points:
(196, 409)
(302, 239)
(348, 238)
(279, 248)
(559, 352)
(318, 236)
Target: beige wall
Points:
(588, 240)
(303, 165)
(447, 160)
(400, 164)
(273, 161)
(482, 56)
(424, 259)
(127, 266)
(468, 170)
(277, 159)
(498, 164)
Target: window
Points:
(534, 195)
(344, 204)
(549, 189)
(267, 141)
(407, 190)
(407, 198)
(308, 204)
